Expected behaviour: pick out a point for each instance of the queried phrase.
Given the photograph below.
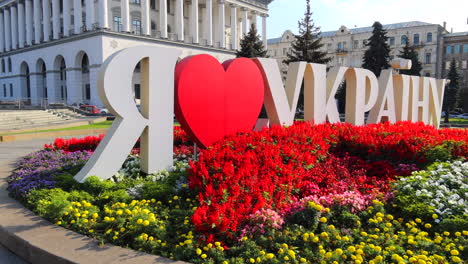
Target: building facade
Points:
(346, 46)
(51, 50)
(456, 48)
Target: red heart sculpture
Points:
(214, 100)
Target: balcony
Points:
(342, 51)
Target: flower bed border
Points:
(38, 241)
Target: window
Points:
(391, 40)
(429, 37)
(449, 50)
(136, 24)
(427, 74)
(168, 5)
(284, 51)
(87, 91)
(3, 65)
(465, 48)
(4, 90)
(137, 91)
(9, 64)
(356, 44)
(428, 58)
(340, 45)
(117, 23)
(457, 49)
(153, 4)
(416, 39)
(464, 64)
(153, 25)
(447, 65)
(136, 2)
(344, 44)
(364, 43)
(404, 40)
(11, 90)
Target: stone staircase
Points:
(24, 119)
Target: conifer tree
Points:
(410, 53)
(377, 55)
(251, 45)
(451, 90)
(307, 45)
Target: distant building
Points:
(456, 47)
(51, 50)
(346, 46)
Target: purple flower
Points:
(38, 169)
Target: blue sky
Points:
(331, 14)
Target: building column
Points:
(209, 22)
(264, 31)
(245, 18)
(14, 27)
(78, 16)
(93, 79)
(37, 21)
(56, 19)
(34, 84)
(46, 19)
(179, 19)
(195, 29)
(2, 36)
(66, 14)
(29, 22)
(163, 18)
(103, 14)
(222, 24)
(254, 18)
(125, 13)
(51, 82)
(90, 14)
(74, 89)
(21, 25)
(145, 19)
(7, 31)
(234, 27)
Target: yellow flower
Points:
(203, 256)
(251, 260)
(434, 216)
(351, 249)
(146, 223)
(446, 233)
(140, 221)
(270, 255)
(427, 226)
(456, 259)
(198, 251)
(418, 220)
(323, 219)
(457, 234)
(454, 252)
(339, 251)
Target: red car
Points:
(90, 109)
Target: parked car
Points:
(92, 109)
(462, 116)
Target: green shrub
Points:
(49, 203)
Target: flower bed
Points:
(327, 193)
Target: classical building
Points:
(346, 46)
(51, 50)
(456, 48)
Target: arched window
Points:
(404, 40)
(85, 64)
(429, 37)
(416, 39)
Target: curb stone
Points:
(38, 241)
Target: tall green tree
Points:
(451, 90)
(377, 55)
(307, 44)
(410, 53)
(251, 46)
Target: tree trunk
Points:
(447, 111)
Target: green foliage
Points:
(77, 196)
(96, 186)
(307, 45)
(377, 55)
(452, 90)
(66, 181)
(410, 53)
(307, 218)
(49, 203)
(442, 152)
(251, 46)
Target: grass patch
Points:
(105, 124)
(458, 121)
